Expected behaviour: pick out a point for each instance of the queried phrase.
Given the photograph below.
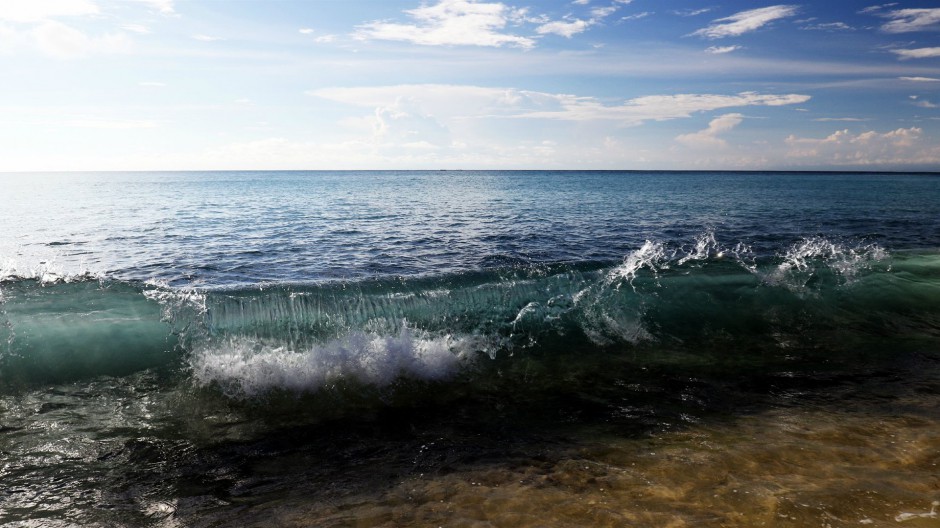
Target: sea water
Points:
(469, 348)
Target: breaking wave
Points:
(699, 299)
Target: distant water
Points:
(460, 347)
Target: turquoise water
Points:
(204, 349)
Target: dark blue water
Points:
(243, 228)
(511, 348)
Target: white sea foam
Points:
(652, 255)
(705, 247)
(656, 256)
(174, 300)
(247, 367)
(744, 255)
(45, 272)
(803, 260)
(932, 514)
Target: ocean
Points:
(469, 348)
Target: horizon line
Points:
(741, 171)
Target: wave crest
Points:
(816, 259)
(246, 367)
(45, 272)
(652, 256)
(303, 338)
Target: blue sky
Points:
(388, 84)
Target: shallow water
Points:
(470, 349)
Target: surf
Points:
(700, 299)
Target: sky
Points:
(468, 84)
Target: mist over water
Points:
(407, 348)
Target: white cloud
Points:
(324, 39)
(572, 26)
(164, 7)
(136, 28)
(830, 26)
(306, 31)
(151, 84)
(113, 124)
(284, 153)
(718, 50)
(657, 107)
(39, 10)
(903, 146)
(465, 22)
(602, 12)
(465, 126)
(876, 8)
(919, 79)
(746, 21)
(918, 53)
(564, 28)
(433, 99)
(8, 39)
(923, 103)
(420, 145)
(692, 12)
(519, 16)
(64, 42)
(207, 38)
(637, 16)
(56, 39)
(708, 138)
(482, 102)
(450, 22)
(475, 152)
(908, 20)
(59, 40)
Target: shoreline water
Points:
(839, 446)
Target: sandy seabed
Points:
(782, 467)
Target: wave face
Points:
(703, 300)
(61, 331)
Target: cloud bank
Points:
(902, 146)
(485, 102)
